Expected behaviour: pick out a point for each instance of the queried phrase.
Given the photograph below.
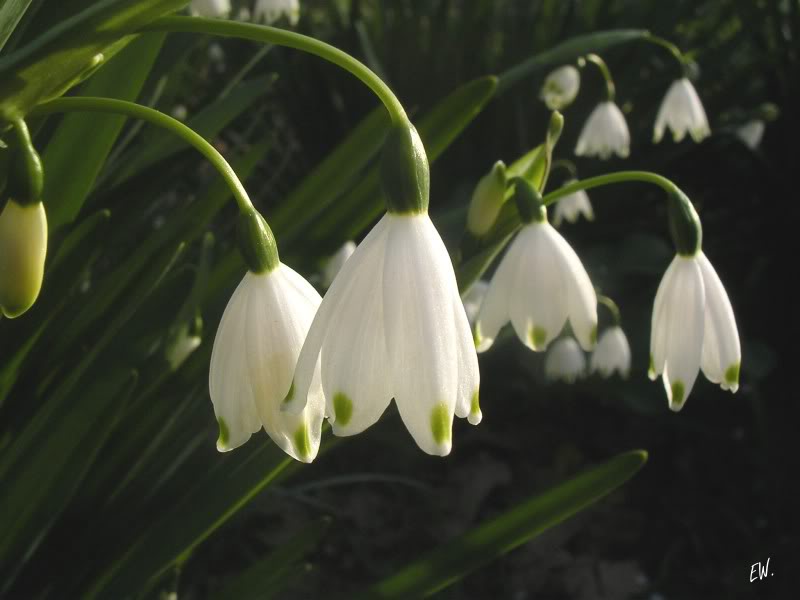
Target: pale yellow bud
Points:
(23, 247)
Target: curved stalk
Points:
(611, 90)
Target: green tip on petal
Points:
(732, 376)
(342, 408)
(441, 424)
(302, 442)
(289, 395)
(651, 369)
(593, 335)
(224, 435)
(475, 416)
(678, 396)
(538, 337)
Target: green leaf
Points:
(11, 11)
(269, 576)
(72, 50)
(54, 467)
(567, 51)
(70, 176)
(208, 122)
(451, 561)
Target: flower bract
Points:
(682, 111)
(693, 328)
(392, 326)
(604, 133)
(538, 285)
(253, 360)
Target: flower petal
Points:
(419, 286)
(722, 353)
(494, 312)
(467, 400)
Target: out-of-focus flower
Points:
(336, 262)
(604, 133)
(474, 298)
(561, 87)
(269, 11)
(571, 207)
(751, 133)
(487, 200)
(613, 353)
(210, 8)
(693, 328)
(682, 111)
(565, 361)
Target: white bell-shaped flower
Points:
(565, 361)
(253, 360)
(392, 325)
(23, 248)
(682, 111)
(604, 133)
(751, 133)
(613, 353)
(335, 263)
(561, 87)
(693, 327)
(269, 11)
(474, 298)
(571, 207)
(210, 8)
(539, 284)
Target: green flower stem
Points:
(672, 48)
(137, 111)
(281, 37)
(612, 308)
(618, 177)
(611, 91)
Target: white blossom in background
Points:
(693, 328)
(270, 11)
(565, 361)
(253, 360)
(474, 298)
(210, 8)
(561, 87)
(571, 207)
(751, 133)
(538, 285)
(180, 112)
(604, 133)
(336, 262)
(613, 353)
(392, 325)
(682, 111)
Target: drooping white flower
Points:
(474, 298)
(336, 262)
(253, 361)
(604, 133)
(751, 133)
(565, 361)
(23, 248)
(210, 8)
(269, 11)
(392, 325)
(613, 353)
(539, 284)
(571, 207)
(561, 87)
(682, 111)
(693, 328)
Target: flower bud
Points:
(561, 87)
(487, 200)
(23, 247)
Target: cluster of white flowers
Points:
(264, 11)
(566, 361)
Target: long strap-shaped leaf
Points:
(451, 561)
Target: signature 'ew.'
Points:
(757, 572)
